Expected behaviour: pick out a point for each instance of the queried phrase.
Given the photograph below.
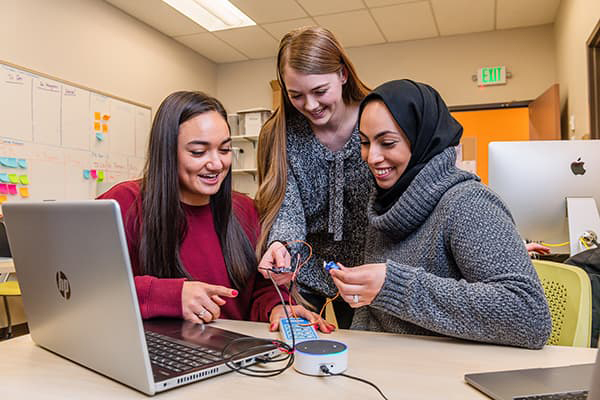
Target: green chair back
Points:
(569, 295)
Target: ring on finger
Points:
(355, 298)
(200, 314)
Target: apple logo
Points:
(577, 167)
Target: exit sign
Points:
(491, 76)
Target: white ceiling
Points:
(354, 22)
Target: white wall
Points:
(574, 24)
(446, 63)
(92, 43)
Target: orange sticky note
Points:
(96, 126)
(24, 192)
(104, 128)
(97, 115)
(106, 117)
(2, 199)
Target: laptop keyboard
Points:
(176, 357)
(579, 395)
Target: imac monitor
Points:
(535, 178)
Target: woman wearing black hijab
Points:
(443, 256)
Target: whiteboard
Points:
(61, 141)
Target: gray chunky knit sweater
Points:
(325, 204)
(456, 265)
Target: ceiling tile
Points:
(355, 28)
(518, 13)
(406, 21)
(262, 11)
(382, 3)
(278, 29)
(252, 41)
(159, 15)
(321, 7)
(211, 47)
(464, 16)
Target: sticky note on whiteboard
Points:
(2, 199)
(4, 177)
(104, 128)
(24, 192)
(12, 189)
(24, 180)
(3, 188)
(97, 126)
(93, 174)
(99, 136)
(100, 176)
(97, 116)
(9, 162)
(22, 163)
(86, 174)
(13, 178)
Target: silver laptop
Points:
(571, 382)
(73, 267)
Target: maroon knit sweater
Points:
(202, 257)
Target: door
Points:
(544, 115)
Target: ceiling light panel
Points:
(214, 15)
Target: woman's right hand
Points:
(276, 256)
(202, 302)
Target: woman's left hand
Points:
(358, 286)
(277, 313)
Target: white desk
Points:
(404, 367)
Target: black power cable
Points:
(325, 370)
(266, 344)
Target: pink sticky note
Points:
(12, 189)
(94, 173)
(3, 188)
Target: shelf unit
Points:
(251, 171)
(250, 138)
(246, 172)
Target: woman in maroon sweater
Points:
(190, 238)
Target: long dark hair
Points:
(163, 222)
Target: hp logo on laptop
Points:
(64, 287)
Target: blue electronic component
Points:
(330, 265)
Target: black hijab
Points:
(423, 116)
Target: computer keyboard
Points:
(176, 357)
(578, 395)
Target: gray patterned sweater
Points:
(325, 204)
(456, 265)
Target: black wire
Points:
(266, 345)
(326, 370)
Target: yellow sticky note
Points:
(13, 178)
(100, 176)
(2, 199)
(96, 126)
(97, 116)
(104, 128)
(24, 192)
(24, 179)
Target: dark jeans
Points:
(343, 311)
